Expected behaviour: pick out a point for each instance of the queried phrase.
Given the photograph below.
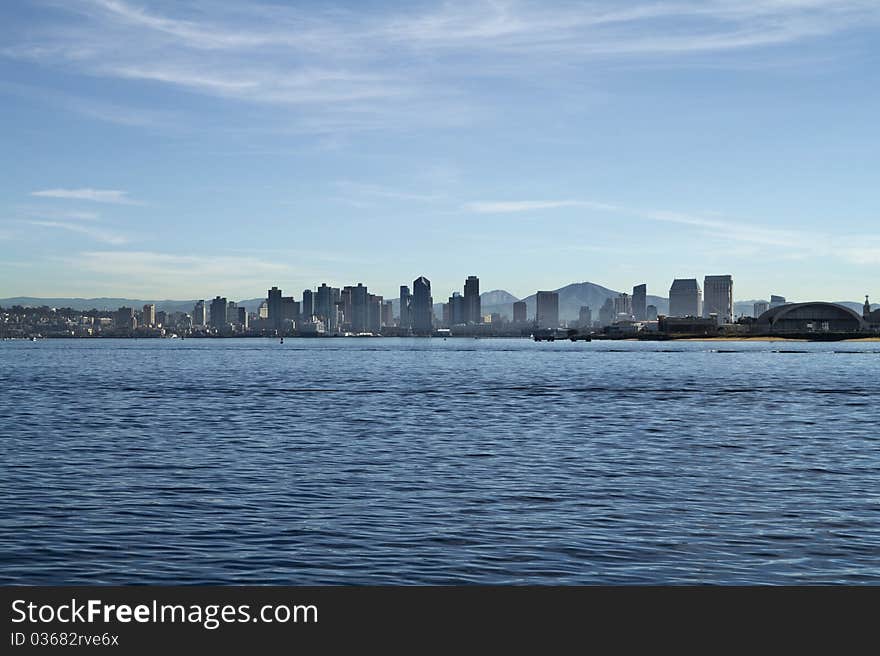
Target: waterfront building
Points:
(242, 318)
(218, 313)
(148, 318)
(290, 313)
(326, 300)
(161, 318)
(200, 314)
(405, 320)
(273, 303)
(472, 309)
(359, 302)
(387, 313)
(685, 298)
(606, 312)
(640, 302)
(457, 310)
(623, 309)
(651, 313)
(813, 317)
(520, 312)
(718, 298)
(422, 307)
(307, 309)
(585, 317)
(776, 301)
(124, 319)
(374, 314)
(760, 308)
(547, 309)
(263, 311)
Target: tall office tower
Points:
(263, 310)
(651, 313)
(472, 308)
(345, 306)
(161, 318)
(273, 301)
(359, 309)
(218, 312)
(685, 298)
(374, 313)
(307, 309)
(623, 305)
(445, 316)
(606, 312)
(242, 318)
(387, 313)
(124, 319)
(547, 310)
(200, 314)
(232, 312)
(718, 297)
(405, 307)
(776, 301)
(457, 309)
(290, 312)
(640, 302)
(326, 299)
(520, 312)
(760, 308)
(422, 307)
(585, 317)
(149, 315)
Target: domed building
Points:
(812, 317)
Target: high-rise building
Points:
(242, 319)
(263, 310)
(760, 308)
(124, 319)
(149, 315)
(387, 313)
(374, 314)
(232, 312)
(359, 302)
(200, 314)
(273, 301)
(472, 309)
(326, 299)
(623, 306)
(585, 317)
(640, 302)
(307, 309)
(422, 307)
(776, 301)
(651, 313)
(457, 310)
(547, 310)
(218, 313)
(290, 310)
(520, 312)
(718, 298)
(606, 312)
(405, 307)
(685, 298)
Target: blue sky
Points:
(188, 149)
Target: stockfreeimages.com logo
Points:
(210, 616)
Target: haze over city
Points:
(183, 149)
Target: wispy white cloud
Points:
(94, 195)
(99, 234)
(383, 192)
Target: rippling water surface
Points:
(432, 461)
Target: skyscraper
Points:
(326, 299)
(472, 309)
(218, 313)
(457, 309)
(640, 302)
(307, 309)
(387, 313)
(606, 312)
(651, 313)
(359, 310)
(760, 308)
(520, 312)
(374, 313)
(685, 298)
(149, 315)
(718, 297)
(422, 307)
(200, 314)
(776, 301)
(585, 317)
(274, 303)
(405, 307)
(547, 310)
(623, 305)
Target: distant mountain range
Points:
(571, 298)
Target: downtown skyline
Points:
(537, 143)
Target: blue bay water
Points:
(438, 461)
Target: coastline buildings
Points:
(472, 309)
(623, 309)
(405, 321)
(422, 307)
(326, 302)
(200, 314)
(273, 301)
(218, 313)
(776, 301)
(585, 318)
(718, 298)
(359, 301)
(456, 310)
(148, 317)
(640, 302)
(520, 312)
(547, 309)
(760, 308)
(307, 309)
(685, 298)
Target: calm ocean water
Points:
(432, 461)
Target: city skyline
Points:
(149, 146)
